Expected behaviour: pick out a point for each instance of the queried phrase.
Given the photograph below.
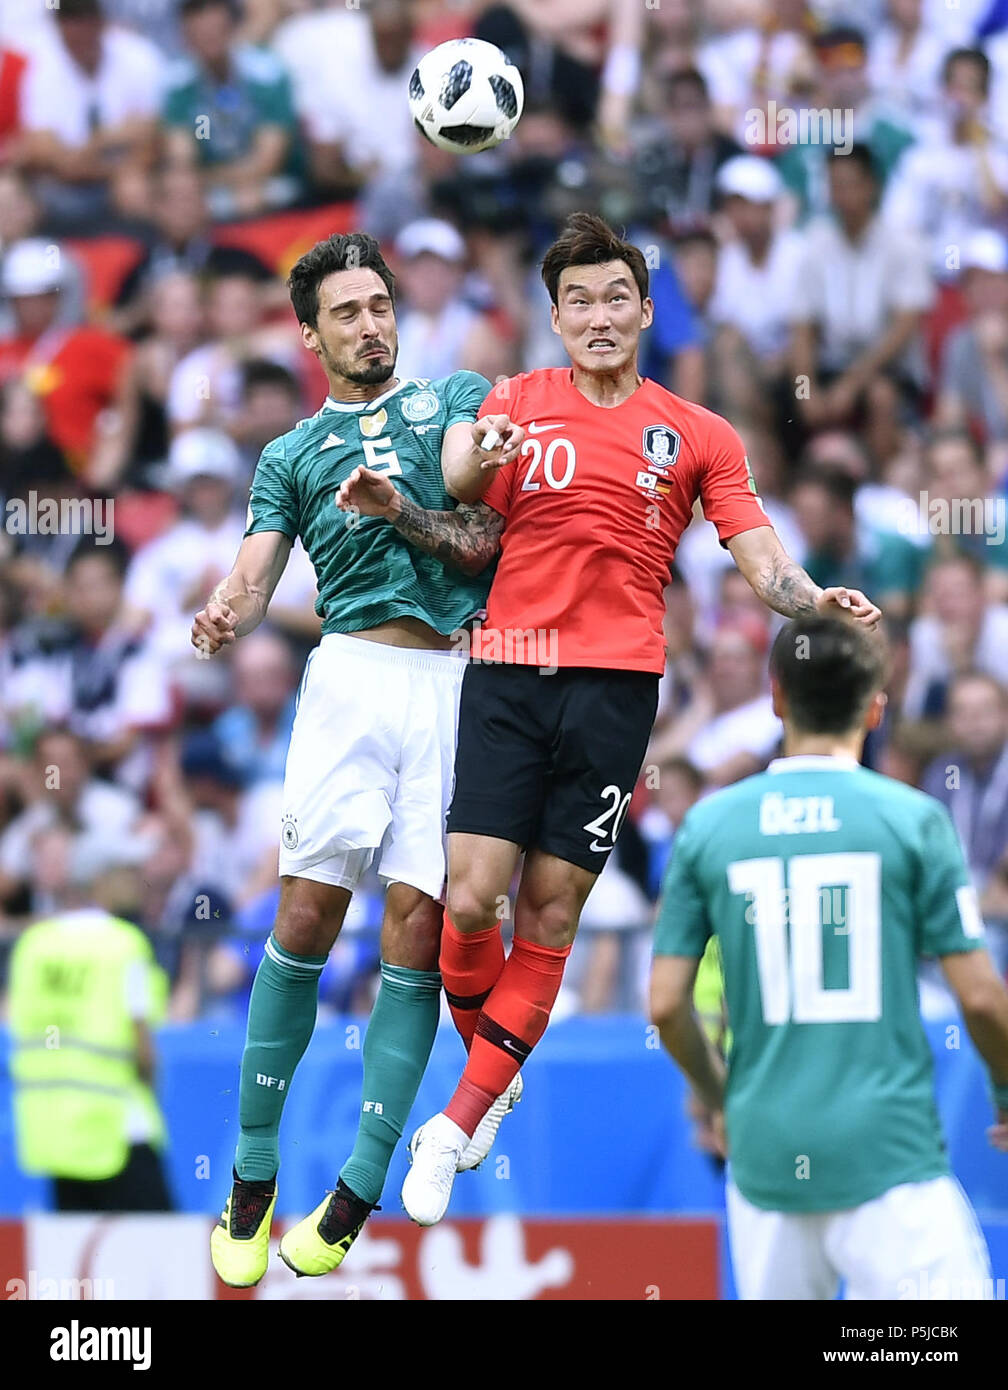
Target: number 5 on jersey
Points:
(386, 461)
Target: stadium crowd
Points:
(821, 191)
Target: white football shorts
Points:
(370, 765)
(919, 1240)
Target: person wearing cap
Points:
(74, 369)
(755, 283)
(440, 331)
(973, 381)
(84, 994)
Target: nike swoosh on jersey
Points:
(331, 442)
(541, 429)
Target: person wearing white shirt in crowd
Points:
(857, 309)
(92, 94)
(754, 286)
(956, 177)
(360, 126)
(904, 61)
(440, 331)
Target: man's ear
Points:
(555, 319)
(780, 707)
(647, 313)
(876, 710)
(310, 338)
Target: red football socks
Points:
(512, 1021)
(471, 965)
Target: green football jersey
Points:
(366, 572)
(824, 883)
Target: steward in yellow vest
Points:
(83, 989)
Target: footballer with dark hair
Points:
(560, 695)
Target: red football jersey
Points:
(594, 507)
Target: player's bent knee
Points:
(554, 924)
(411, 930)
(307, 924)
(470, 912)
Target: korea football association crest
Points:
(661, 447)
(371, 426)
(420, 406)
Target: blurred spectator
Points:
(840, 89)
(180, 242)
(762, 55)
(970, 778)
(133, 451)
(76, 371)
(440, 332)
(842, 550)
(254, 732)
(229, 112)
(85, 1112)
(206, 385)
(583, 56)
(271, 404)
(904, 62)
(973, 388)
(677, 786)
(65, 796)
(859, 297)
(21, 217)
(90, 102)
(94, 674)
(726, 731)
(359, 127)
(955, 475)
(957, 632)
(754, 291)
(956, 178)
(676, 169)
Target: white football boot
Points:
(486, 1131)
(434, 1150)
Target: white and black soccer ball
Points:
(466, 96)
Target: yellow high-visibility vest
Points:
(73, 1045)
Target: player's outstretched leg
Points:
(397, 1047)
(281, 1020)
(511, 1022)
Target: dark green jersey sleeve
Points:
(273, 499)
(464, 393)
(948, 916)
(683, 926)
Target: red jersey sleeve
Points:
(502, 400)
(727, 487)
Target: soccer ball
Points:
(465, 96)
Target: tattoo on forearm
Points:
(466, 538)
(788, 589)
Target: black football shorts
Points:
(550, 761)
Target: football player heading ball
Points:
(587, 520)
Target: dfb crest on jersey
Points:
(420, 406)
(372, 425)
(661, 447)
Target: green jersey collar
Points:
(354, 407)
(814, 762)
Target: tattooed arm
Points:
(467, 537)
(786, 588)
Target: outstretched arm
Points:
(466, 538)
(785, 587)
